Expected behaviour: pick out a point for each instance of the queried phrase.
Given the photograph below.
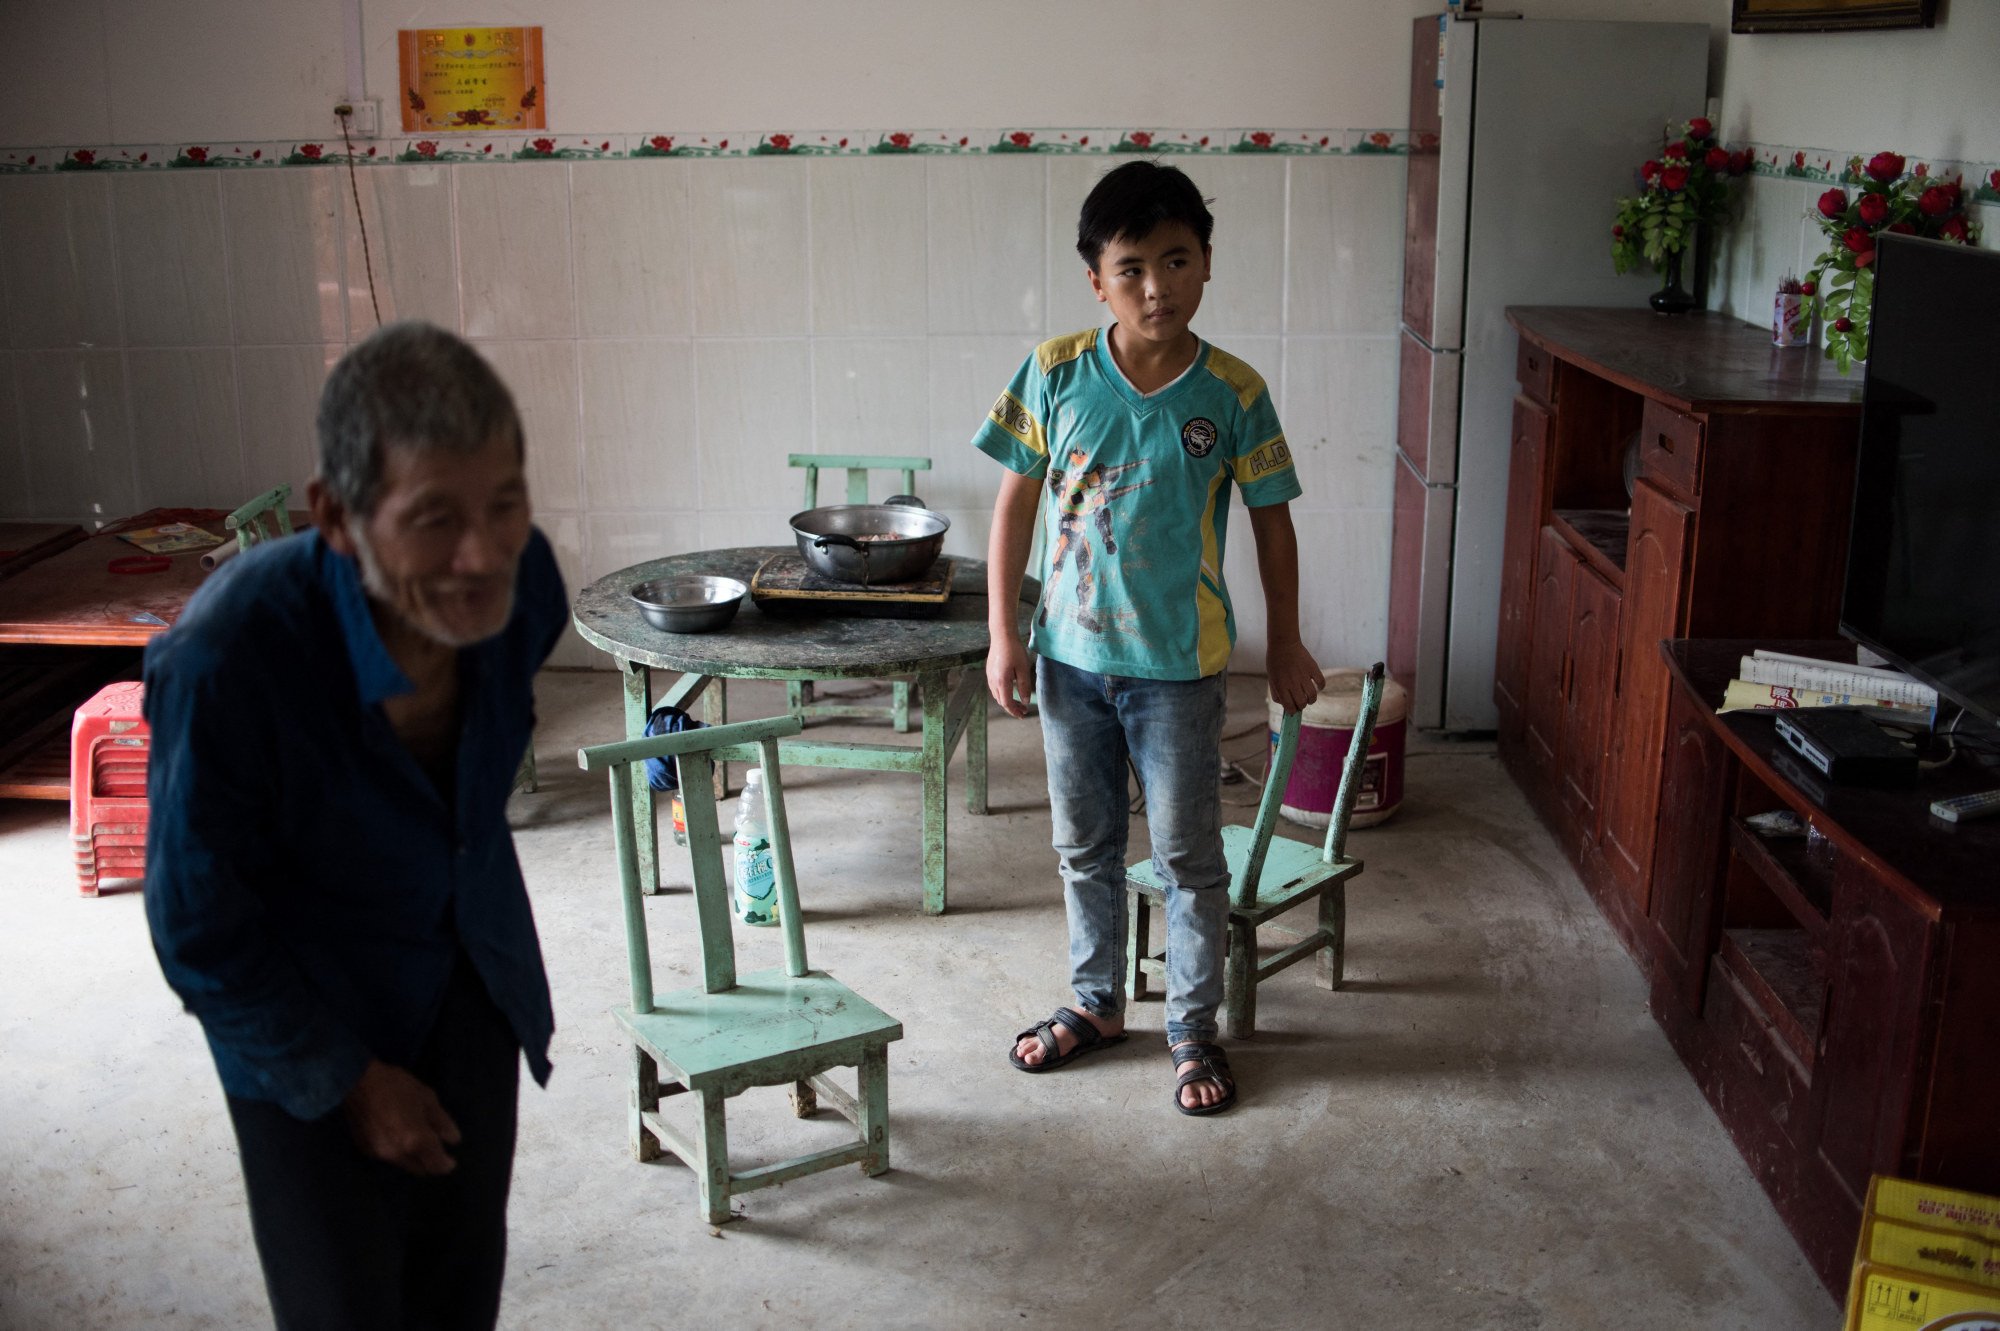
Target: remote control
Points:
(1964, 808)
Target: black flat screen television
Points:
(1923, 560)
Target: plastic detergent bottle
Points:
(754, 889)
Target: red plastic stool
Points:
(110, 746)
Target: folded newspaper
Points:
(1804, 672)
(1774, 681)
(1744, 695)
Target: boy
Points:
(1138, 431)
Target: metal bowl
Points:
(694, 603)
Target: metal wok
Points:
(869, 544)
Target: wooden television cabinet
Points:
(1841, 1014)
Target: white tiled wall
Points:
(1772, 237)
(673, 329)
(1775, 234)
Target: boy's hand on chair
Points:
(1008, 674)
(1295, 679)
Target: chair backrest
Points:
(1351, 771)
(1244, 889)
(857, 465)
(697, 752)
(262, 519)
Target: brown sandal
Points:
(1208, 1063)
(1088, 1040)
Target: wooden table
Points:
(24, 543)
(68, 626)
(757, 646)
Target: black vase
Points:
(1672, 298)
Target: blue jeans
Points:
(1172, 730)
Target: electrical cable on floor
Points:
(343, 112)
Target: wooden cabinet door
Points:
(1548, 653)
(1655, 608)
(1864, 1076)
(1697, 779)
(1593, 647)
(1517, 566)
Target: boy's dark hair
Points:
(1134, 201)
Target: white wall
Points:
(672, 329)
(1926, 93)
(140, 71)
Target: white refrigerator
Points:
(1522, 134)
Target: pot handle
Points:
(841, 538)
(906, 501)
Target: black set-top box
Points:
(1848, 747)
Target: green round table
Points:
(810, 646)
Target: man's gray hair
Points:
(409, 385)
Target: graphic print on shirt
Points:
(1083, 491)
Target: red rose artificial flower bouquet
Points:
(1686, 186)
(1883, 199)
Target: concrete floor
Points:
(1484, 1129)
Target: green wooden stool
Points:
(769, 1028)
(262, 519)
(1267, 877)
(799, 693)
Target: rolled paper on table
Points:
(220, 555)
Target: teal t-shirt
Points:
(1135, 515)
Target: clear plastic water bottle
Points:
(754, 887)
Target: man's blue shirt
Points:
(307, 885)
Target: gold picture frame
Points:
(1829, 15)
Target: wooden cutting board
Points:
(786, 584)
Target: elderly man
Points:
(332, 887)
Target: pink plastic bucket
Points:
(1326, 731)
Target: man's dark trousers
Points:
(347, 1241)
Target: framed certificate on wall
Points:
(1828, 15)
(457, 79)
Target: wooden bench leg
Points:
(805, 1100)
(1138, 934)
(718, 715)
(645, 1096)
(933, 767)
(899, 710)
(712, 1146)
(1239, 982)
(639, 706)
(873, 1076)
(975, 757)
(1332, 966)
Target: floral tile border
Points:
(1771, 160)
(1825, 166)
(747, 143)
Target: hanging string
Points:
(367, 260)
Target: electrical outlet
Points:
(365, 120)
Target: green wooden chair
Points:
(799, 693)
(263, 518)
(1269, 876)
(786, 1026)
